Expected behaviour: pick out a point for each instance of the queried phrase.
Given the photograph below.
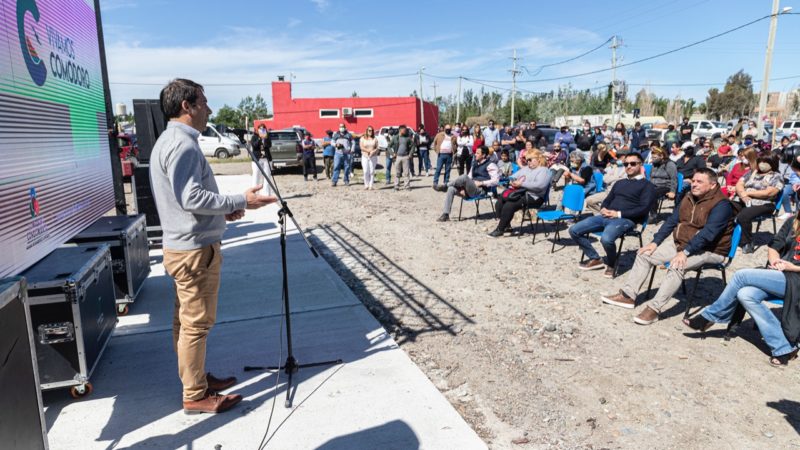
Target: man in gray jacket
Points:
(402, 145)
(193, 214)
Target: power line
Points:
(707, 84)
(380, 77)
(540, 68)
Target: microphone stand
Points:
(291, 366)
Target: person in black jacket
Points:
(261, 145)
(627, 204)
(638, 135)
(533, 134)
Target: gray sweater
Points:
(189, 205)
(536, 180)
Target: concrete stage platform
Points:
(376, 399)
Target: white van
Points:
(217, 145)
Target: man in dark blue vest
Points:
(483, 175)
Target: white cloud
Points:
(322, 5)
(110, 5)
(294, 22)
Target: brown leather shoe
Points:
(592, 264)
(219, 384)
(211, 404)
(647, 316)
(620, 300)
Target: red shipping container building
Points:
(320, 114)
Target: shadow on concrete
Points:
(400, 301)
(394, 435)
(791, 411)
(242, 229)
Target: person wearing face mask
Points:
(490, 134)
(565, 138)
(686, 130)
(580, 173)
(745, 159)
(527, 188)
(327, 153)
(601, 158)
(402, 146)
(369, 156)
(584, 139)
(423, 143)
(343, 158)
(619, 133)
(689, 162)
(465, 142)
(444, 144)
(756, 193)
(664, 177)
(262, 145)
(637, 135)
(671, 136)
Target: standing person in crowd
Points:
(686, 131)
(565, 138)
(423, 143)
(638, 135)
(457, 129)
(750, 287)
(444, 144)
(664, 177)
(403, 147)
(506, 140)
(477, 141)
(671, 136)
(584, 140)
(533, 133)
(490, 134)
(620, 134)
(483, 175)
(611, 174)
(601, 158)
(752, 130)
(464, 152)
(309, 158)
(369, 156)
(628, 204)
(193, 215)
(327, 153)
(701, 229)
(581, 173)
(384, 139)
(527, 189)
(262, 145)
(343, 158)
(519, 145)
(756, 193)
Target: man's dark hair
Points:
(175, 92)
(712, 176)
(636, 155)
(484, 150)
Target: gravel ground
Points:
(519, 341)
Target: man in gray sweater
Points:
(402, 145)
(193, 214)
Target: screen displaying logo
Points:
(29, 40)
(34, 205)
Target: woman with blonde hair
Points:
(528, 187)
(369, 156)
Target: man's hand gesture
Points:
(255, 200)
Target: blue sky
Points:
(247, 42)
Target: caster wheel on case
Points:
(123, 309)
(81, 391)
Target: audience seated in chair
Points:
(664, 177)
(483, 175)
(528, 187)
(745, 159)
(612, 173)
(580, 173)
(756, 193)
(627, 204)
(697, 233)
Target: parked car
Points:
(287, 150)
(215, 144)
(656, 134)
(788, 127)
(709, 130)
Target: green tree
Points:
(253, 108)
(736, 99)
(228, 116)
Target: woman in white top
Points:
(369, 156)
(464, 142)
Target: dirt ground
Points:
(519, 341)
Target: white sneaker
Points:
(785, 216)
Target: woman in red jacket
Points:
(746, 159)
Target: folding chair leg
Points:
(619, 253)
(691, 296)
(460, 207)
(477, 210)
(758, 226)
(650, 285)
(736, 320)
(535, 227)
(774, 226)
(557, 236)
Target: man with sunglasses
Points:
(627, 204)
(701, 229)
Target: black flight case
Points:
(22, 424)
(127, 237)
(71, 297)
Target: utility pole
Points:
(434, 85)
(613, 48)
(458, 103)
(421, 101)
(514, 73)
(773, 26)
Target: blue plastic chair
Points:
(735, 238)
(486, 194)
(598, 181)
(573, 200)
(648, 169)
(631, 233)
(514, 167)
(772, 215)
(680, 182)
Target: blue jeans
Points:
(788, 193)
(612, 229)
(424, 161)
(751, 287)
(388, 170)
(342, 162)
(446, 160)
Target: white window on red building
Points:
(363, 112)
(328, 113)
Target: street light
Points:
(421, 101)
(773, 26)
